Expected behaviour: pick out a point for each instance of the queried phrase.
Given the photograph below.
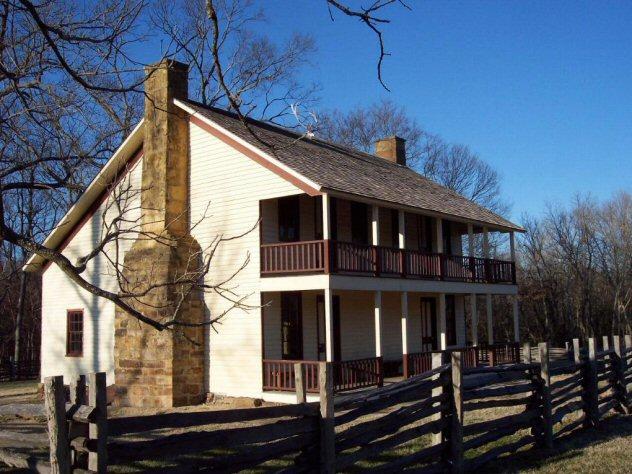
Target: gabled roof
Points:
(337, 168)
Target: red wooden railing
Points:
(346, 257)
(420, 362)
(352, 374)
(293, 257)
(499, 354)
(278, 375)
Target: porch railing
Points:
(331, 256)
(499, 354)
(420, 362)
(293, 257)
(278, 375)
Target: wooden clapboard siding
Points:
(60, 294)
(233, 185)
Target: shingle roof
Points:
(339, 168)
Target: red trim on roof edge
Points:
(97, 203)
(254, 156)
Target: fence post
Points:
(77, 398)
(577, 355)
(606, 343)
(619, 362)
(327, 427)
(592, 394)
(526, 353)
(55, 404)
(545, 392)
(98, 430)
(456, 428)
(437, 361)
(299, 383)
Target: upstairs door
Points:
(428, 324)
(291, 326)
(320, 315)
(289, 219)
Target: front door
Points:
(291, 326)
(320, 319)
(428, 324)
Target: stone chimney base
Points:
(160, 369)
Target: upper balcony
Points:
(311, 235)
(332, 256)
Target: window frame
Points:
(70, 352)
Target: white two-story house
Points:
(355, 258)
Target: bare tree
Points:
(576, 270)
(260, 76)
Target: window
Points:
(74, 333)
(291, 326)
(359, 223)
(289, 220)
(447, 237)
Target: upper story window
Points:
(74, 333)
(289, 219)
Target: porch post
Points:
(443, 338)
(375, 225)
(329, 326)
(512, 245)
(516, 318)
(474, 312)
(326, 218)
(404, 304)
(326, 234)
(378, 323)
(488, 296)
(490, 320)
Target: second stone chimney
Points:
(392, 149)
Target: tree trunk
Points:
(19, 318)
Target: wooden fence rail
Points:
(425, 417)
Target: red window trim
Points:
(75, 353)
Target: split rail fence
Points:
(428, 422)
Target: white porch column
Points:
(326, 218)
(512, 245)
(443, 337)
(401, 216)
(329, 326)
(378, 324)
(474, 312)
(470, 240)
(404, 304)
(516, 319)
(375, 225)
(490, 320)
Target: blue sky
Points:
(541, 90)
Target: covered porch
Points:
(370, 336)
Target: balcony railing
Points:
(331, 256)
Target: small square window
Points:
(74, 333)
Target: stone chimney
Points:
(392, 149)
(162, 368)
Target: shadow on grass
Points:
(568, 447)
